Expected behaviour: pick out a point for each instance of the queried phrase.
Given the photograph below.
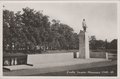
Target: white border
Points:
(60, 1)
(58, 77)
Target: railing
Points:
(111, 56)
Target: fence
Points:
(111, 56)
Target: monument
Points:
(84, 42)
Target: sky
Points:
(101, 18)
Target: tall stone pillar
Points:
(87, 51)
(83, 45)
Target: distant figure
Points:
(84, 25)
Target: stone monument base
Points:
(83, 45)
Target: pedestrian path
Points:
(57, 66)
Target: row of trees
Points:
(102, 45)
(32, 29)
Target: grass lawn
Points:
(60, 51)
(101, 71)
(93, 54)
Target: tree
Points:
(31, 29)
(92, 42)
(37, 25)
(113, 44)
(97, 44)
(8, 28)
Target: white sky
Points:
(101, 18)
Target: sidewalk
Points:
(61, 66)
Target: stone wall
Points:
(47, 58)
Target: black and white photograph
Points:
(59, 39)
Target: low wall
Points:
(54, 57)
(111, 56)
(47, 58)
(97, 54)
